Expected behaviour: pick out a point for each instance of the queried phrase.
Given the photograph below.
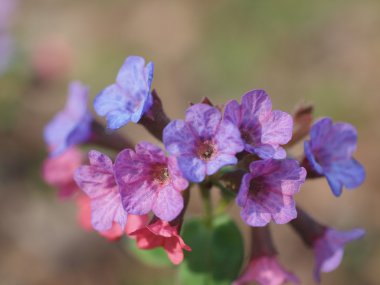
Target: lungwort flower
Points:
(162, 234)
(266, 270)
(58, 171)
(134, 222)
(72, 125)
(329, 249)
(149, 180)
(98, 182)
(263, 130)
(129, 97)
(266, 192)
(329, 153)
(203, 142)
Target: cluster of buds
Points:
(239, 148)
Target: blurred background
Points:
(322, 52)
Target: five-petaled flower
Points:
(329, 153)
(329, 249)
(266, 192)
(98, 182)
(162, 234)
(266, 270)
(262, 130)
(203, 142)
(149, 180)
(129, 97)
(72, 125)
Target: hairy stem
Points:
(306, 227)
(207, 203)
(261, 242)
(155, 120)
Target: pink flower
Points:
(149, 180)
(98, 182)
(162, 234)
(266, 270)
(134, 222)
(58, 171)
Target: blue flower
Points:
(329, 249)
(129, 97)
(72, 125)
(203, 142)
(329, 153)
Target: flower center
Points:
(251, 135)
(255, 187)
(160, 173)
(206, 150)
(246, 137)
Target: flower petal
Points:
(178, 138)
(194, 169)
(168, 204)
(203, 120)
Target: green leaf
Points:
(217, 252)
(156, 257)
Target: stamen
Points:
(206, 150)
(160, 173)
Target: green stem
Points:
(226, 197)
(207, 203)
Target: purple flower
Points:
(129, 97)
(329, 249)
(149, 180)
(98, 182)
(266, 270)
(262, 130)
(329, 153)
(203, 143)
(267, 191)
(72, 125)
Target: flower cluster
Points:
(239, 148)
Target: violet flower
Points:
(329, 153)
(129, 97)
(329, 249)
(262, 130)
(149, 180)
(266, 192)
(98, 182)
(203, 142)
(72, 125)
